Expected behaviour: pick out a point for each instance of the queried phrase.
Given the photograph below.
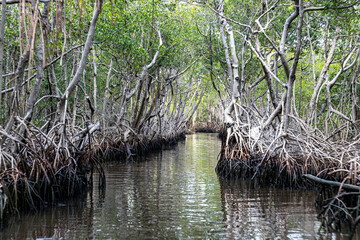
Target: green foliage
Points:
(127, 33)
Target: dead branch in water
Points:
(332, 183)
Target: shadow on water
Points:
(266, 212)
(175, 194)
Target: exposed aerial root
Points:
(206, 128)
(42, 169)
(122, 150)
(338, 210)
(52, 167)
(282, 159)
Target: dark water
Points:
(175, 194)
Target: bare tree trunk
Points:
(211, 68)
(76, 79)
(145, 69)
(2, 30)
(311, 116)
(123, 104)
(137, 103)
(30, 103)
(224, 42)
(55, 80)
(292, 75)
(20, 70)
(74, 107)
(276, 74)
(95, 86)
(195, 106)
(143, 102)
(24, 58)
(300, 94)
(235, 64)
(38, 81)
(330, 84)
(106, 96)
(194, 118)
(242, 79)
(153, 105)
(235, 94)
(355, 111)
(6, 86)
(311, 48)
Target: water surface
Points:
(175, 194)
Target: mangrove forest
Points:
(152, 115)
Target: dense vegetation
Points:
(85, 81)
(294, 111)
(88, 79)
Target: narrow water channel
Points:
(175, 194)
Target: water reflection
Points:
(265, 213)
(175, 194)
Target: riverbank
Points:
(136, 147)
(205, 128)
(330, 167)
(45, 175)
(175, 194)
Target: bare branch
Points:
(308, 9)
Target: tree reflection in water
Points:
(263, 212)
(175, 194)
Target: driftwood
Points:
(332, 183)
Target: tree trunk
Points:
(74, 107)
(311, 116)
(145, 69)
(106, 96)
(292, 75)
(355, 111)
(95, 86)
(225, 45)
(76, 79)
(2, 30)
(235, 94)
(30, 103)
(5, 113)
(211, 68)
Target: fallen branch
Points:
(331, 183)
(90, 129)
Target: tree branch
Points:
(331, 183)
